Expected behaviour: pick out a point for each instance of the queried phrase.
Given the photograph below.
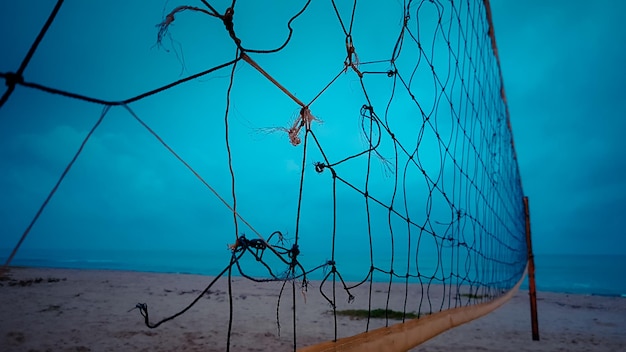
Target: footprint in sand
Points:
(15, 338)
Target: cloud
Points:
(118, 190)
(563, 73)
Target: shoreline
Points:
(88, 310)
(523, 287)
(575, 274)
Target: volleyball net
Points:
(360, 152)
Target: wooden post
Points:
(532, 292)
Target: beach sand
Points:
(88, 310)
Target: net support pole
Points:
(532, 291)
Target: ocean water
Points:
(588, 274)
(579, 274)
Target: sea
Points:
(603, 275)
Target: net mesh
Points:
(362, 145)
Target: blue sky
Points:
(561, 63)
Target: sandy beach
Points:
(92, 310)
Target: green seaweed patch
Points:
(377, 314)
(473, 296)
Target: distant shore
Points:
(88, 310)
